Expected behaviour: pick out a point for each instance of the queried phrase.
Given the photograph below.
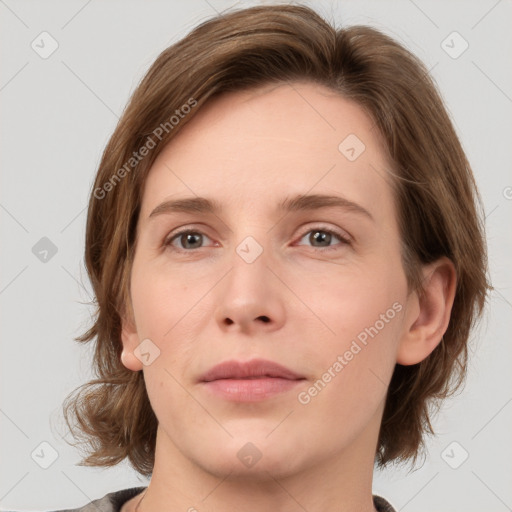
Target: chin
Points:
(253, 457)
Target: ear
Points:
(428, 316)
(130, 339)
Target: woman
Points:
(285, 247)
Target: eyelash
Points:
(344, 241)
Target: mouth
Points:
(249, 381)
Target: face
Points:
(316, 286)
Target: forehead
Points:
(249, 149)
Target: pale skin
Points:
(202, 304)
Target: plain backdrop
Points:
(57, 114)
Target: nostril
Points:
(265, 319)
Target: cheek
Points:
(349, 300)
(163, 310)
(355, 354)
(162, 300)
(351, 368)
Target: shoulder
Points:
(381, 504)
(111, 502)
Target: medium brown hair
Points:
(435, 194)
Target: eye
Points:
(189, 239)
(322, 235)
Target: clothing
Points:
(113, 502)
(382, 505)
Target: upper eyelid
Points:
(340, 233)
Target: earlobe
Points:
(130, 361)
(130, 340)
(430, 318)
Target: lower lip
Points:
(250, 390)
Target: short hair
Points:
(434, 191)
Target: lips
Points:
(250, 381)
(254, 369)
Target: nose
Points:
(251, 297)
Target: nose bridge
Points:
(250, 240)
(249, 276)
(250, 249)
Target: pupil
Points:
(190, 237)
(321, 236)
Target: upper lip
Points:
(247, 369)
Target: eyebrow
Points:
(304, 202)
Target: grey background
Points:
(57, 114)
